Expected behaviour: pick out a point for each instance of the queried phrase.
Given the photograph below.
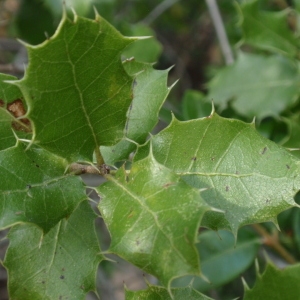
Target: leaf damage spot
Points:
(62, 277)
(17, 109)
(264, 150)
(131, 214)
(168, 184)
(288, 167)
(227, 188)
(212, 158)
(194, 158)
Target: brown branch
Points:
(272, 241)
(78, 169)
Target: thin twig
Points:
(221, 33)
(272, 241)
(11, 69)
(158, 10)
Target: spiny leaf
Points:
(247, 176)
(34, 188)
(153, 218)
(76, 88)
(59, 265)
(9, 122)
(150, 91)
(267, 30)
(259, 86)
(276, 284)
(145, 50)
(160, 293)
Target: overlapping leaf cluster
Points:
(84, 105)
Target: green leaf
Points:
(8, 93)
(150, 91)
(77, 89)
(160, 293)
(276, 284)
(153, 218)
(247, 176)
(35, 189)
(194, 105)
(59, 265)
(267, 30)
(292, 141)
(144, 50)
(259, 86)
(222, 258)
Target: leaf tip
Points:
(173, 84)
(253, 122)
(212, 108)
(64, 10)
(245, 285)
(25, 44)
(97, 15)
(257, 265)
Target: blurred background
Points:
(257, 75)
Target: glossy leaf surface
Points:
(35, 189)
(59, 265)
(149, 91)
(153, 218)
(247, 176)
(76, 88)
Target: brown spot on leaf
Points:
(212, 158)
(227, 188)
(168, 184)
(288, 166)
(194, 158)
(17, 109)
(62, 277)
(1, 103)
(264, 150)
